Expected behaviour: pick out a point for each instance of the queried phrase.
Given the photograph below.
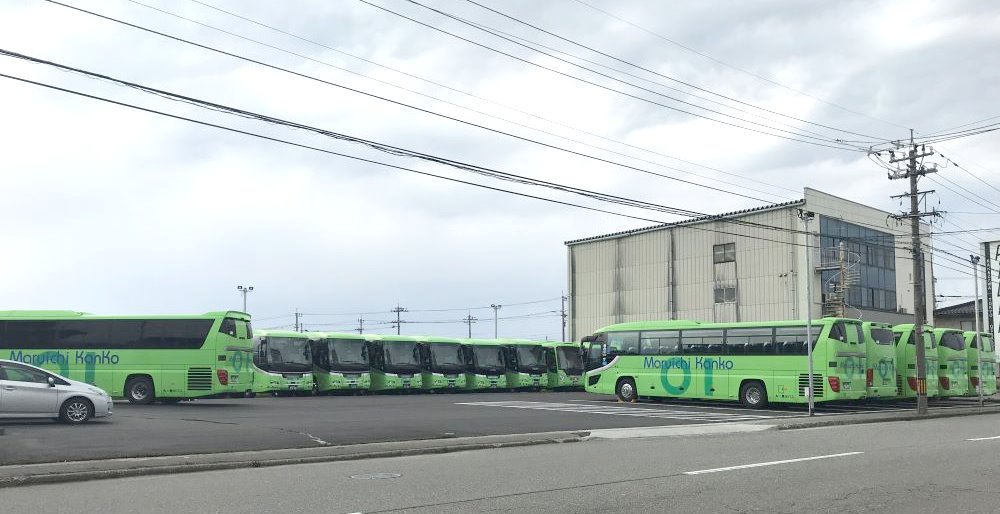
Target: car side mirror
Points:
(52, 382)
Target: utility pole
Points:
(563, 315)
(841, 309)
(806, 217)
(469, 320)
(914, 172)
(361, 325)
(979, 339)
(496, 311)
(297, 316)
(244, 290)
(399, 323)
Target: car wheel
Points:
(139, 390)
(626, 391)
(76, 410)
(753, 395)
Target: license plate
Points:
(451, 384)
(352, 386)
(293, 387)
(406, 386)
(847, 386)
(493, 386)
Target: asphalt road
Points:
(208, 426)
(936, 465)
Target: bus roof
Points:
(398, 338)
(680, 324)
(52, 314)
(281, 333)
(339, 335)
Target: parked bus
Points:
(988, 377)
(756, 363)
(283, 361)
(140, 358)
(395, 363)
(525, 364)
(563, 366)
(340, 362)
(906, 361)
(880, 349)
(486, 365)
(953, 362)
(443, 363)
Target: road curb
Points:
(122, 468)
(858, 419)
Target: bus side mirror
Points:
(588, 339)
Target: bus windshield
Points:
(348, 354)
(488, 359)
(288, 354)
(447, 357)
(530, 358)
(882, 336)
(401, 355)
(569, 359)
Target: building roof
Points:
(692, 221)
(958, 310)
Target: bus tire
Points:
(76, 410)
(753, 394)
(139, 390)
(625, 390)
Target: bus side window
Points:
(625, 343)
(228, 327)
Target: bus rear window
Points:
(228, 327)
(953, 340)
(882, 336)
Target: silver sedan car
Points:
(30, 392)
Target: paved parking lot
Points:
(207, 426)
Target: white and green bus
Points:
(140, 358)
(756, 363)
(395, 363)
(953, 362)
(486, 365)
(563, 366)
(525, 364)
(283, 362)
(880, 374)
(988, 375)
(340, 362)
(443, 363)
(906, 361)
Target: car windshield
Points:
(569, 359)
(447, 356)
(284, 351)
(530, 356)
(488, 357)
(401, 353)
(348, 351)
(882, 336)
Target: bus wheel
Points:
(625, 390)
(139, 390)
(753, 395)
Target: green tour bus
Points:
(525, 364)
(988, 377)
(340, 362)
(563, 366)
(283, 361)
(880, 374)
(756, 362)
(486, 365)
(906, 361)
(140, 358)
(395, 363)
(953, 362)
(443, 363)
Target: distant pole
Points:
(244, 290)
(361, 325)
(979, 339)
(399, 322)
(297, 316)
(806, 217)
(496, 311)
(469, 320)
(563, 315)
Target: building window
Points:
(725, 295)
(724, 253)
(874, 252)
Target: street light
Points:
(244, 290)
(496, 310)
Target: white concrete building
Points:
(747, 266)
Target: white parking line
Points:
(772, 463)
(984, 438)
(626, 410)
(693, 406)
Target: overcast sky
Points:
(111, 210)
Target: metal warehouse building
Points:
(748, 266)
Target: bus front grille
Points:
(817, 384)
(199, 379)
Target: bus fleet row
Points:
(316, 362)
